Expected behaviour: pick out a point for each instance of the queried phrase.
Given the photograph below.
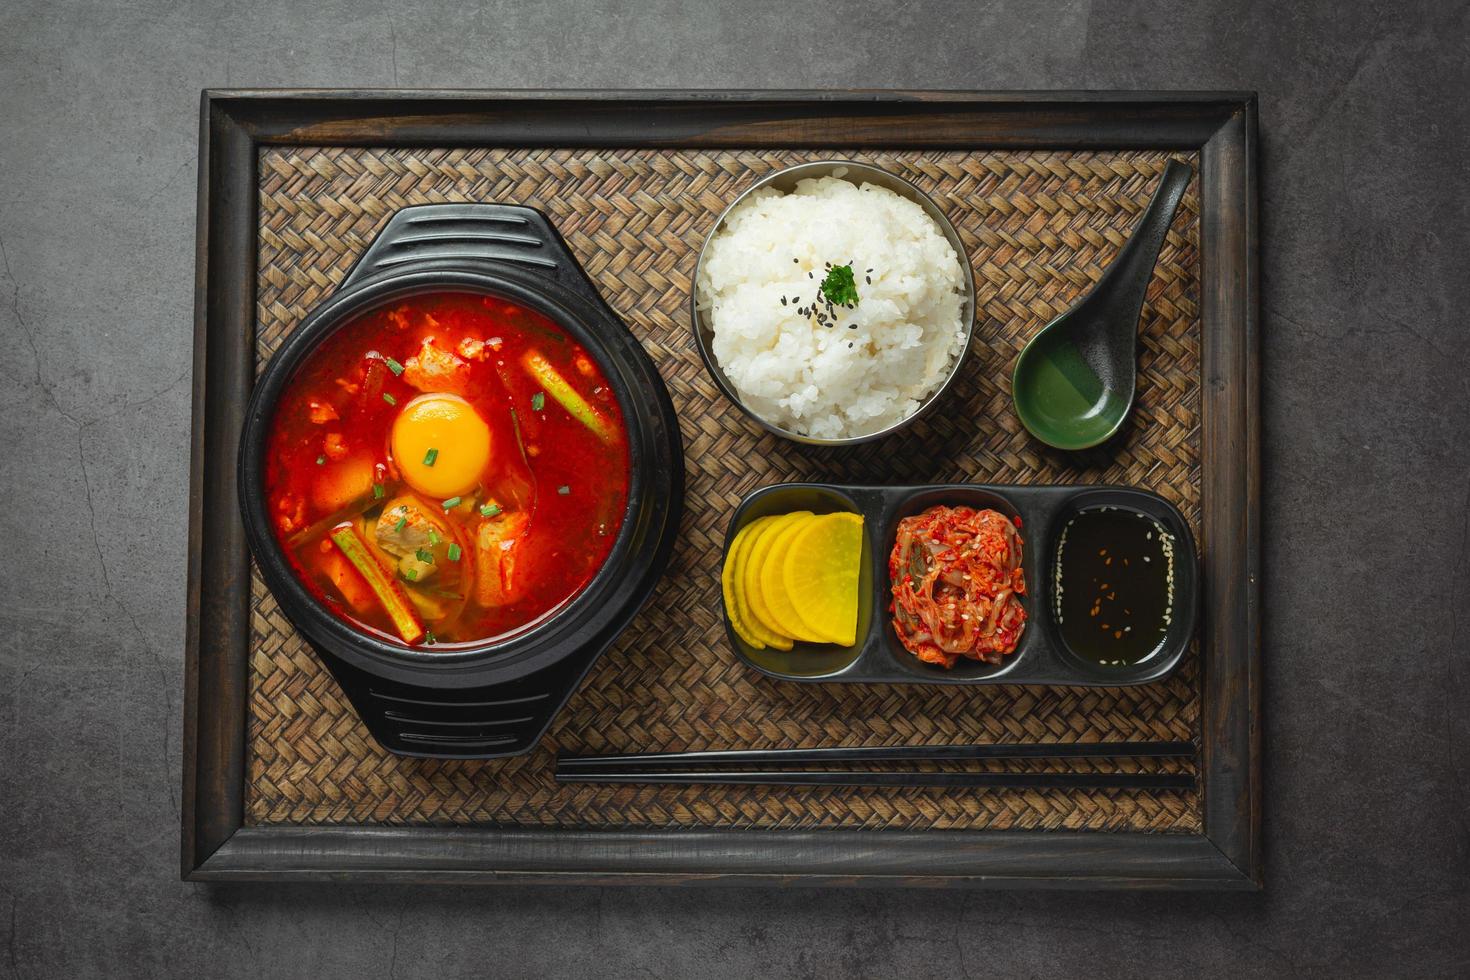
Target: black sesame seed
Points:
(868, 280)
(810, 276)
(852, 326)
(795, 262)
(783, 300)
(849, 343)
(870, 270)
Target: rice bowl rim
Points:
(785, 180)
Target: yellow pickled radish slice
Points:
(743, 601)
(821, 571)
(727, 588)
(741, 616)
(773, 586)
(754, 561)
(775, 641)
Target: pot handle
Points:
(457, 235)
(491, 722)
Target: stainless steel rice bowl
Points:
(785, 181)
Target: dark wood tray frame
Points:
(234, 125)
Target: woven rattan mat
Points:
(1039, 227)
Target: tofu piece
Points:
(436, 369)
(495, 547)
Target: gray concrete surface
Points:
(1367, 424)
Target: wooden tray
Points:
(281, 779)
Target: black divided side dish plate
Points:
(1041, 657)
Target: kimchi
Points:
(957, 582)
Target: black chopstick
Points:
(893, 753)
(974, 780)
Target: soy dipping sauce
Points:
(1114, 585)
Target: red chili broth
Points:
(570, 486)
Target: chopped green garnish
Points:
(538, 401)
(433, 536)
(321, 461)
(429, 637)
(427, 557)
(430, 456)
(489, 510)
(840, 287)
(378, 491)
(451, 503)
(412, 574)
(454, 552)
(400, 525)
(389, 399)
(563, 490)
(393, 365)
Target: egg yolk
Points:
(441, 445)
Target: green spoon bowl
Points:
(1073, 385)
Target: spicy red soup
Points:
(447, 469)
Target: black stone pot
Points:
(497, 698)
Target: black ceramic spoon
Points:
(1074, 383)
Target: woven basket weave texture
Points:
(1039, 226)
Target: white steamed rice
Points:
(832, 382)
